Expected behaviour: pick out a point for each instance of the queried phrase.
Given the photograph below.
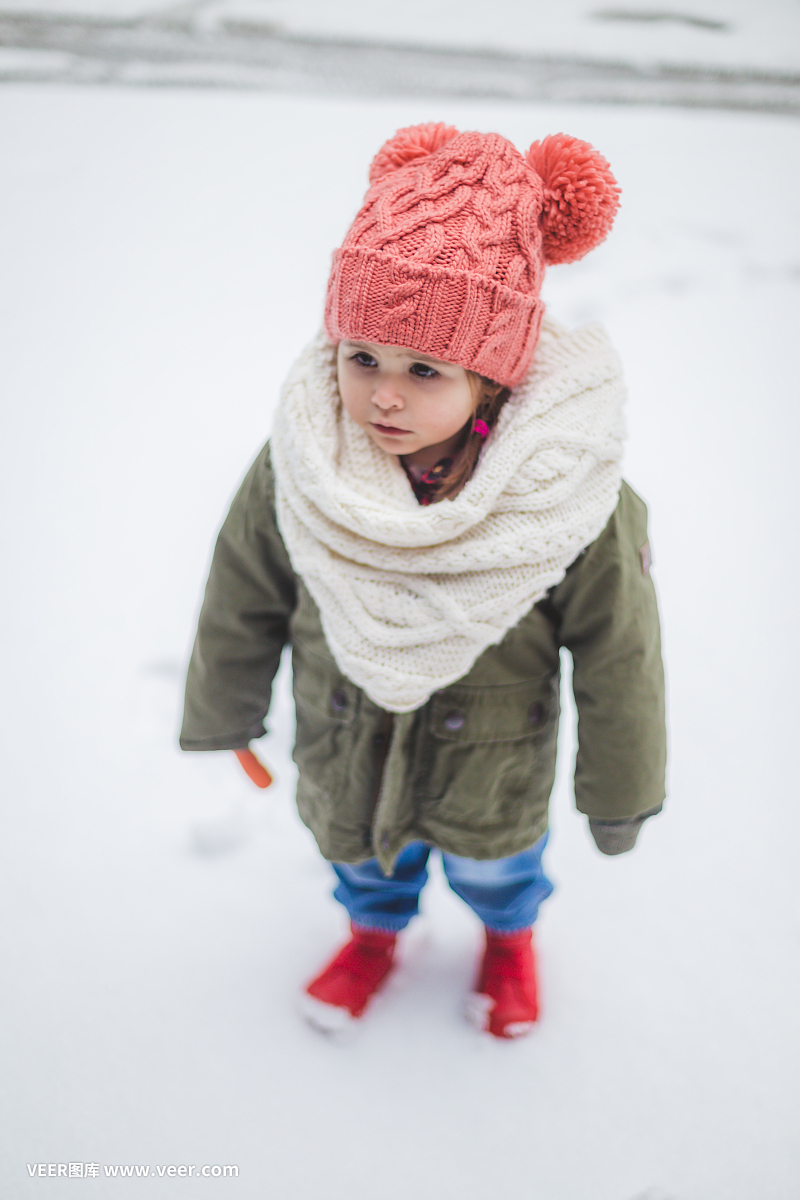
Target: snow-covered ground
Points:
(164, 260)
(737, 54)
(731, 34)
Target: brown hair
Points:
(489, 399)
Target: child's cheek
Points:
(349, 395)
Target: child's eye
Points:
(363, 359)
(423, 370)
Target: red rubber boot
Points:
(505, 1002)
(341, 992)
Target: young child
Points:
(439, 511)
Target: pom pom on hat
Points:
(408, 145)
(581, 196)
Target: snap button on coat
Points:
(454, 721)
(536, 714)
(338, 700)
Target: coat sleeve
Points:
(609, 622)
(244, 622)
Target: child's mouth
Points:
(389, 429)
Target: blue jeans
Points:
(504, 892)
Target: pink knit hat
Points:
(447, 254)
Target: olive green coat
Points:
(471, 770)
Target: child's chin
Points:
(392, 445)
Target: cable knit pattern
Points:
(448, 252)
(410, 596)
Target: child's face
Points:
(406, 401)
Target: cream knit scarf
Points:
(410, 596)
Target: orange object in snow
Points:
(256, 770)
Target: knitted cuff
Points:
(618, 837)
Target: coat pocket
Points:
(326, 706)
(489, 753)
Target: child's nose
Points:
(387, 395)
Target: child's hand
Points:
(256, 770)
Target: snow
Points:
(718, 32)
(730, 34)
(164, 261)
